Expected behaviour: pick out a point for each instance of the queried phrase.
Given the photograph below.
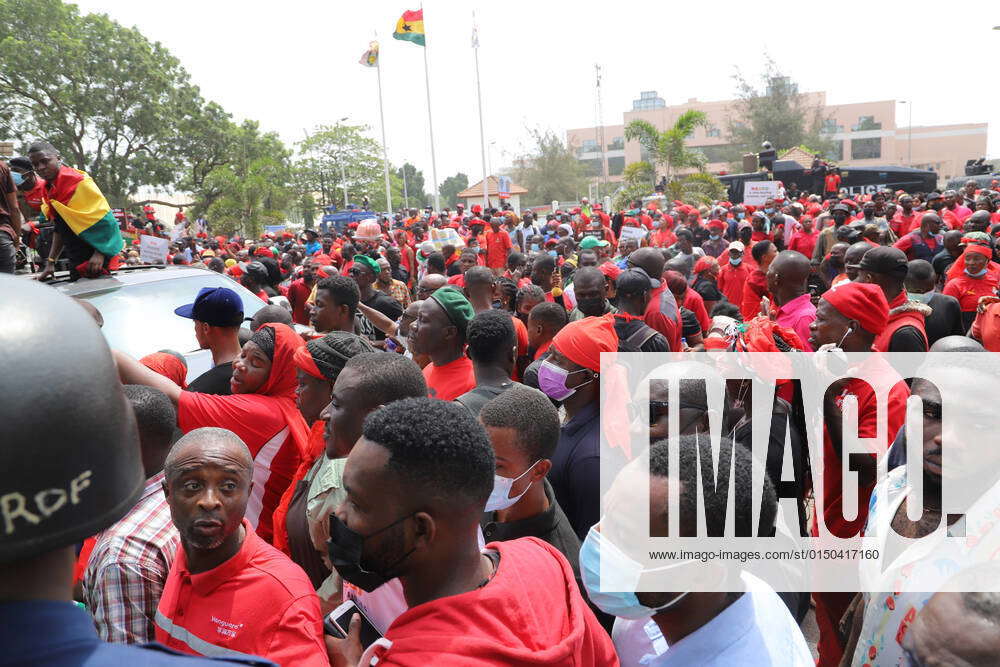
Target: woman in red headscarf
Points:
(970, 278)
(168, 364)
(261, 411)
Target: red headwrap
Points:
(705, 263)
(168, 366)
(863, 302)
(263, 252)
(958, 267)
(610, 270)
(304, 362)
(583, 341)
(717, 225)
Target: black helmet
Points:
(70, 463)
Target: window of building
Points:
(588, 146)
(617, 144)
(836, 151)
(592, 167)
(866, 123)
(830, 126)
(616, 165)
(723, 153)
(866, 149)
(713, 132)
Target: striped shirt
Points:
(128, 569)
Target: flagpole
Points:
(381, 118)
(479, 96)
(430, 122)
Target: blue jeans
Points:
(8, 254)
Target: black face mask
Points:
(345, 550)
(591, 307)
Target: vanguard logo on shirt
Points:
(226, 628)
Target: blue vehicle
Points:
(340, 219)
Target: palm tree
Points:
(667, 148)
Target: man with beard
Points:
(226, 583)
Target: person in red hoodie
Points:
(417, 482)
(755, 288)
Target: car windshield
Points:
(139, 318)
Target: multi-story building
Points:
(863, 133)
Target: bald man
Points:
(228, 591)
(786, 281)
(430, 284)
(270, 313)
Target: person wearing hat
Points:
(733, 273)
(65, 479)
(217, 313)
(364, 271)
(850, 318)
(313, 246)
(633, 289)
(970, 278)
(905, 329)
(598, 245)
(706, 277)
(662, 311)
(254, 278)
(571, 374)
(439, 332)
(828, 235)
(715, 245)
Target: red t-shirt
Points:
(451, 380)
(731, 279)
(804, 243)
(696, 304)
(498, 245)
(968, 290)
(754, 290)
(458, 280)
(258, 422)
(256, 603)
(832, 183)
(298, 293)
(663, 315)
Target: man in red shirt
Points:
(755, 288)
(831, 184)
(417, 482)
(851, 317)
(905, 218)
(498, 244)
(299, 291)
(439, 332)
(733, 273)
(923, 242)
(229, 593)
(688, 298)
(662, 312)
(804, 240)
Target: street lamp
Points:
(909, 130)
(343, 175)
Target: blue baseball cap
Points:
(215, 306)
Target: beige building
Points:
(865, 133)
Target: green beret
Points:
(456, 306)
(369, 262)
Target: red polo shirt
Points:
(451, 380)
(497, 246)
(663, 315)
(731, 279)
(968, 290)
(256, 603)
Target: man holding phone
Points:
(417, 482)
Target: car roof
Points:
(132, 275)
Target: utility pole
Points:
(600, 132)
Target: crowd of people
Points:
(419, 431)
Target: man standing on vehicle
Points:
(217, 313)
(84, 224)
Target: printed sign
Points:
(153, 250)
(755, 193)
(637, 233)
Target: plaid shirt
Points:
(128, 569)
(399, 291)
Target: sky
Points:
(293, 65)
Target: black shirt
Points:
(708, 289)
(386, 305)
(477, 397)
(907, 339)
(214, 381)
(941, 262)
(628, 327)
(945, 318)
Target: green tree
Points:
(549, 171)
(414, 181)
(775, 111)
(253, 189)
(697, 188)
(668, 148)
(636, 173)
(332, 156)
(451, 187)
(104, 95)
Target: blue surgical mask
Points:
(18, 178)
(620, 571)
(736, 262)
(739, 215)
(553, 253)
(534, 247)
(769, 211)
(714, 237)
(922, 298)
(979, 274)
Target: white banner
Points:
(153, 249)
(637, 233)
(756, 193)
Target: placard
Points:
(637, 233)
(153, 250)
(755, 193)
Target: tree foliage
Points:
(108, 99)
(253, 189)
(698, 188)
(773, 110)
(636, 173)
(668, 148)
(332, 156)
(414, 182)
(451, 187)
(550, 171)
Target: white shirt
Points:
(755, 630)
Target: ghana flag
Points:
(75, 198)
(410, 27)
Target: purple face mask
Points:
(552, 381)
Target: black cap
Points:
(841, 207)
(885, 260)
(932, 195)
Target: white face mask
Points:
(499, 499)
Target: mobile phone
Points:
(338, 621)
